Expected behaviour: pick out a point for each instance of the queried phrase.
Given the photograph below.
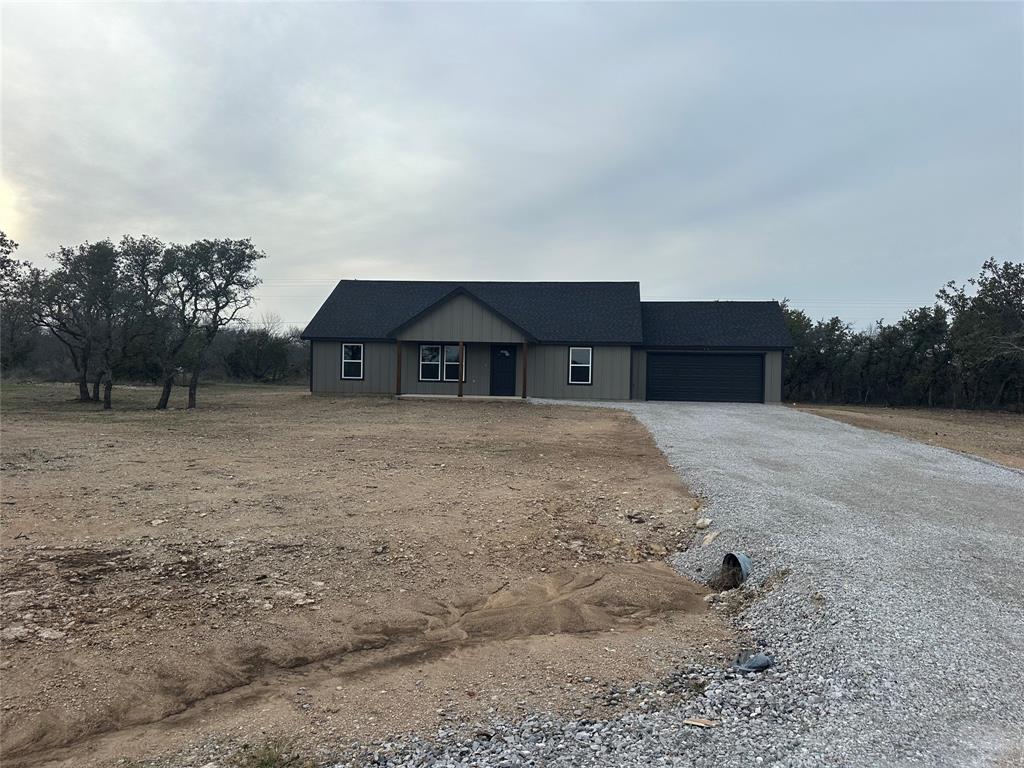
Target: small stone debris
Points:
(157, 521)
(297, 598)
(15, 633)
(704, 522)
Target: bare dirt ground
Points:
(326, 569)
(998, 437)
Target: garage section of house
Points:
(568, 340)
(711, 351)
(705, 376)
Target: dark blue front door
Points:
(503, 369)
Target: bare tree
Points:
(129, 310)
(178, 315)
(71, 302)
(226, 268)
(209, 283)
(19, 333)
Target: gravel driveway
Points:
(887, 586)
(900, 627)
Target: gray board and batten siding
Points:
(547, 371)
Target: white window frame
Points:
(445, 363)
(361, 361)
(439, 363)
(589, 366)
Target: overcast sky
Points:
(852, 157)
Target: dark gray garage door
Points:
(723, 378)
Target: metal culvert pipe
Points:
(736, 567)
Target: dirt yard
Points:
(326, 569)
(998, 437)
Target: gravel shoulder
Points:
(886, 586)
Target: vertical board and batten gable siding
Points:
(548, 373)
(378, 369)
(461, 318)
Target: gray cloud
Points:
(850, 156)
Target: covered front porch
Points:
(461, 368)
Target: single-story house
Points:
(543, 339)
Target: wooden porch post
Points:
(526, 360)
(462, 363)
(398, 367)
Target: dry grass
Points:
(998, 437)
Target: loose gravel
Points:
(886, 586)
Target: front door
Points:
(503, 370)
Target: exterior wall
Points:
(461, 318)
(378, 369)
(478, 372)
(773, 376)
(638, 390)
(619, 373)
(548, 373)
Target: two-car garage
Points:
(706, 376)
(711, 351)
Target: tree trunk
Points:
(108, 386)
(96, 387)
(165, 395)
(999, 395)
(193, 385)
(83, 387)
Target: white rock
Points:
(16, 632)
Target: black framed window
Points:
(581, 363)
(452, 363)
(430, 362)
(351, 361)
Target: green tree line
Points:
(139, 310)
(965, 351)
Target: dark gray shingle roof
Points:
(749, 324)
(600, 313)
